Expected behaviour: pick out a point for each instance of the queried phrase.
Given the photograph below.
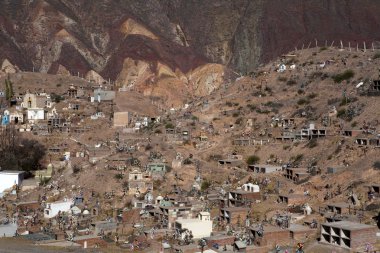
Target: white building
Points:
(8, 179)
(200, 227)
(36, 114)
(249, 187)
(52, 209)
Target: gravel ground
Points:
(11, 245)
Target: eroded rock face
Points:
(183, 35)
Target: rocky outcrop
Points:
(181, 34)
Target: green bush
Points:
(346, 75)
(119, 176)
(341, 113)
(302, 101)
(169, 125)
(252, 107)
(205, 185)
(253, 159)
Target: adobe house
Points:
(374, 88)
(292, 199)
(231, 161)
(171, 213)
(234, 215)
(138, 182)
(296, 174)
(288, 122)
(104, 226)
(238, 198)
(311, 132)
(271, 235)
(104, 95)
(242, 142)
(349, 235)
(75, 92)
(286, 136)
(156, 168)
(364, 141)
(300, 233)
(220, 239)
(96, 153)
(264, 168)
(120, 119)
(339, 208)
(351, 133)
(27, 207)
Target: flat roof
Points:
(11, 172)
(265, 166)
(339, 204)
(181, 221)
(268, 228)
(298, 228)
(348, 225)
(242, 192)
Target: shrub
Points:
(322, 49)
(302, 101)
(291, 82)
(169, 125)
(119, 176)
(312, 95)
(76, 168)
(282, 79)
(300, 91)
(253, 159)
(229, 104)
(239, 121)
(341, 113)
(297, 159)
(376, 165)
(236, 114)
(251, 107)
(346, 75)
(205, 185)
(274, 104)
(312, 143)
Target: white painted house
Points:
(52, 209)
(9, 178)
(200, 227)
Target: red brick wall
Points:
(360, 237)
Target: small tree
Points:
(253, 159)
